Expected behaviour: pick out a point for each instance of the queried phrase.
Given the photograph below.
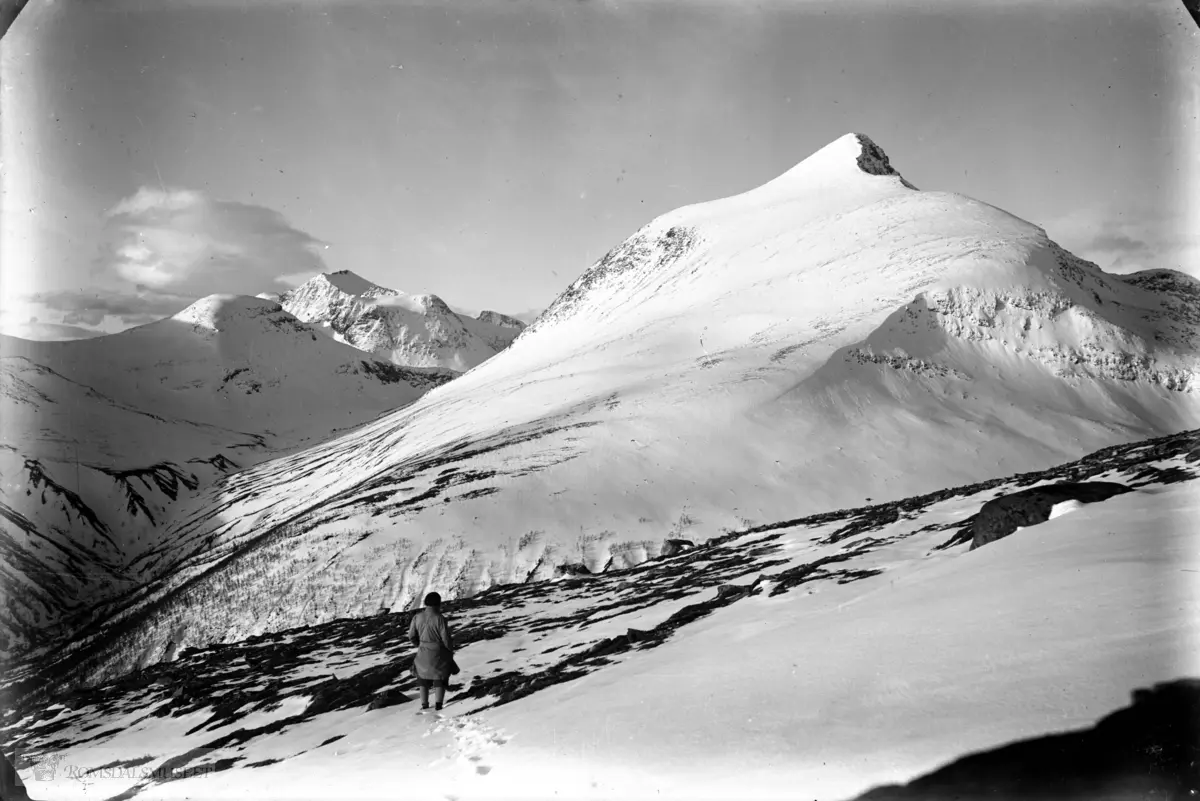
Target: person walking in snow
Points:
(434, 662)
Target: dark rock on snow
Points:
(672, 547)
(1002, 516)
(387, 698)
(731, 591)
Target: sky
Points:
(490, 151)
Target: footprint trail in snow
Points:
(472, 740)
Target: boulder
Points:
(327, 696)
(1002, 516)
(637, 635)
(731, 592)
(672, 547)
(386, 698)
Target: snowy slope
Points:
(85, 480)
(102, 438)
(832, 337)
(416, 330)
(235, 358)
(814, 658)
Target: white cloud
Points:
(293, 280)
(52, 332)
(1128, 238)
(183, 242)
(92, 306)
(528, 316)
(405, 301)
(162, 250)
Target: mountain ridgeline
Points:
(831, 338)
(408, 330)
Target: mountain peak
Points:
(850, 173)
(872, 160)
(352, 283)
(432, 304)
(502, 320)
(218, 311)
(418, 304)
(851, 156)
(409, 330)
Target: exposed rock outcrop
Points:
(672, 547)
(409, 330)
(1002, 516)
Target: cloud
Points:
(1127, 239)
(1120, 243)
(183, 242)
(1123, 252)
(165, 248)
(92, 306)
(33, 329)
(293, 280)
(405, 301)
(528, 316)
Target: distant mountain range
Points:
(103, 439)
(410, 330)
(107, 437)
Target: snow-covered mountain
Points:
(832, 338)
(414, 330)
(806, 658)
(102, 438)
(227, 359)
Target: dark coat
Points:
(435, 648)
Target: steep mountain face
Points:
(104, 438)
(87, 481)
(415, 330)
(833, 337)
(500, 320)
